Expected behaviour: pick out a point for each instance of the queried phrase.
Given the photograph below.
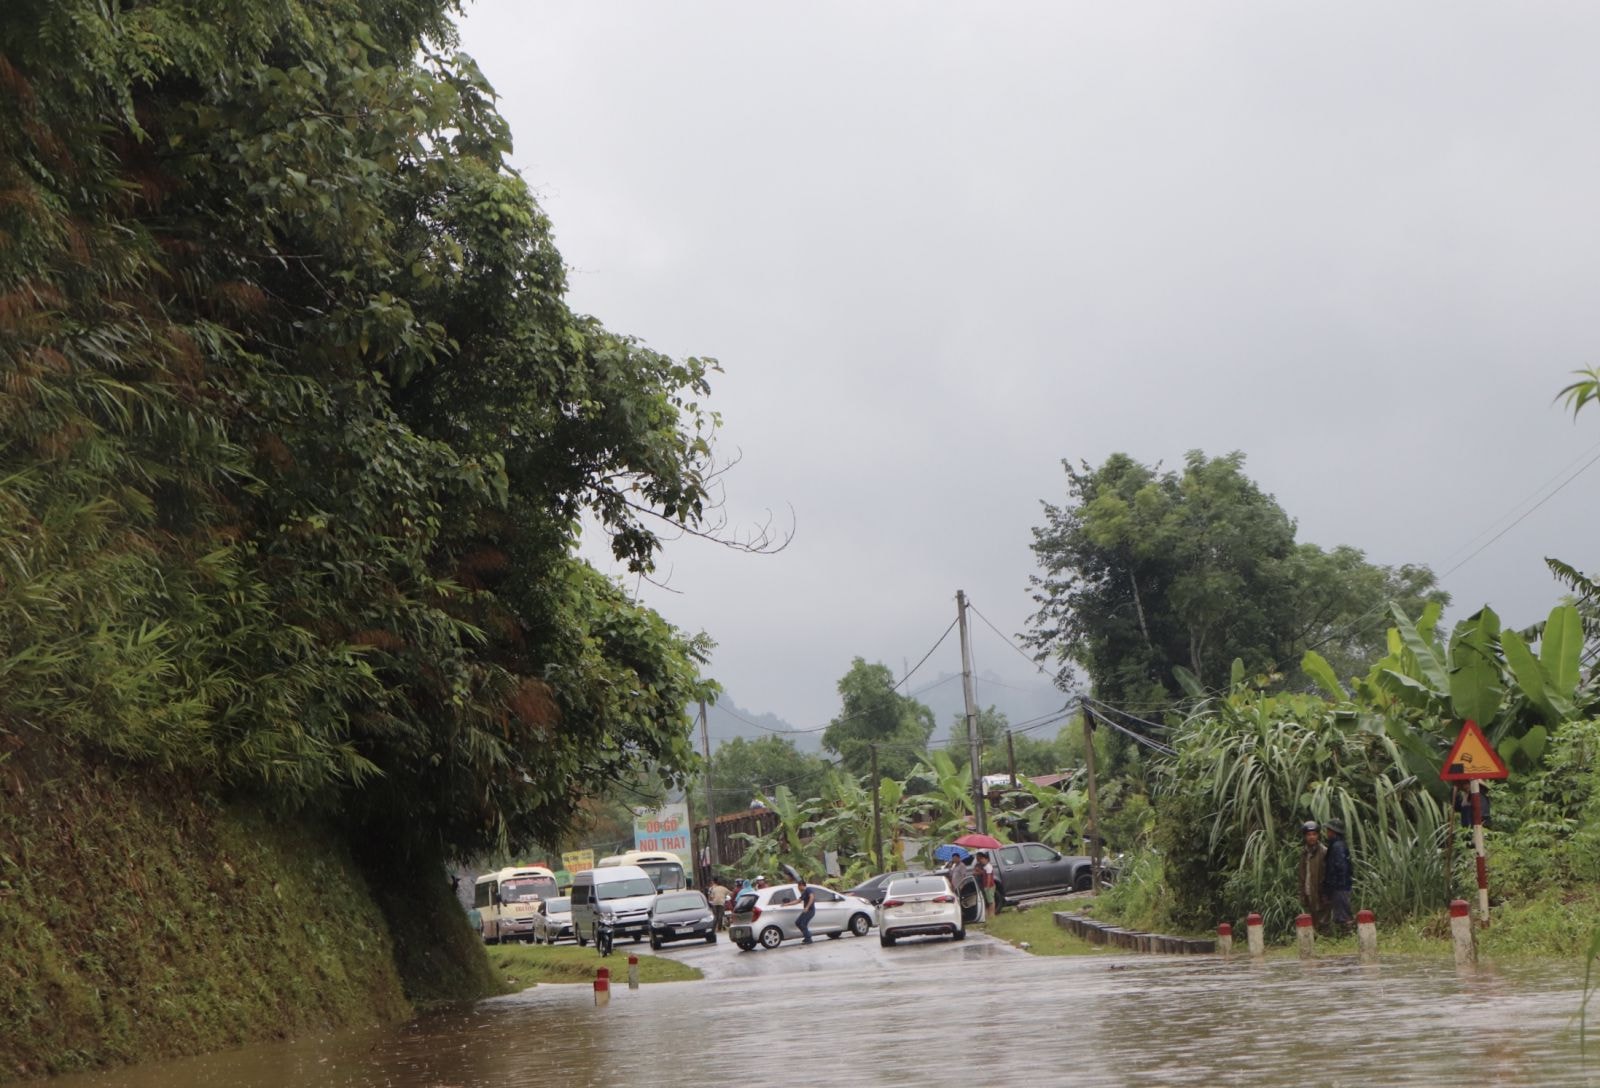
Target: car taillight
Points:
(894, 902)
(944, 899)
(755, 912)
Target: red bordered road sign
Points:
(1472, 757)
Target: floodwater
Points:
(970, 1014)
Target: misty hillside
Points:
(727, 719)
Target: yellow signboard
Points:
(577, 861)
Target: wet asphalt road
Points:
(971, 1013)
(724, 961)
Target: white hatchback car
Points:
(767, 916)
(919, 906)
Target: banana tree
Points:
(949, 804)
(787, 841)
(1486, 674)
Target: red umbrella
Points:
(975, 841)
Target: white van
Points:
(665, 870)
(508, 899)
(622, 894)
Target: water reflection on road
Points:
(973, 1013)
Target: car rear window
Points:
(923, 885)
(679, 901)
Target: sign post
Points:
(1471, 760)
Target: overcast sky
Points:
(939, 247)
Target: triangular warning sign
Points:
(1471, 757)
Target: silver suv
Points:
(767, 916)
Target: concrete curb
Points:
(1105, 933)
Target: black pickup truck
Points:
(1027, 869)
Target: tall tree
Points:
(746, 770)
(873, 712)
(297, 427)
(1145, 572)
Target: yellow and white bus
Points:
(665, 870)
(507, 899)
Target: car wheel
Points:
(746, 946)
(859, 924)
(711, 938)
(583, 942)
(960, 934)
(886, 940)
(835, 935)
(771, 937)
(636, 938)
(1083, 883)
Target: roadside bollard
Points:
(1367, 936)
(1225, 940)
(602, 990)
(1252, 932)
(633, 972)
(1461, 932)
(1306, 935)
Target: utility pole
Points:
(713, 856)
(972, 715)
(1094, 798)
(877, 816)
(1011, 759)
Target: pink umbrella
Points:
(976, 841)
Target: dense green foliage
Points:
(1145, 573)
(296, 427)
(746, 770)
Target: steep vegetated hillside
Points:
(141, 918)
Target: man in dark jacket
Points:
(1337, 875)
(1313, 859)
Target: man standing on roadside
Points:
(1313, 858)
(717, 896)
(1337, 878)
(808, 908)
(959, 876)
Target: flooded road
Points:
(969, 1013)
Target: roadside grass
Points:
(1556, 924)
(524, 965)
(1035, 925)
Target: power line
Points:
(1125, 714)
(1141, 738)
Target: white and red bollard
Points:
(1367, 936)
(1306, 935)
(1225, 940)
(633, 972)
(602, 987)
(1481, 851)
(1461, 933)
(1252, 930)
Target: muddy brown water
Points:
(973, 1013)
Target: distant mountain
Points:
(726, 719)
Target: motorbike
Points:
(603, 937)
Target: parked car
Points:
(920, 906)
(767, 916)
(872, 889)
(554, 921)
(680, 916)
(1033, 869)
